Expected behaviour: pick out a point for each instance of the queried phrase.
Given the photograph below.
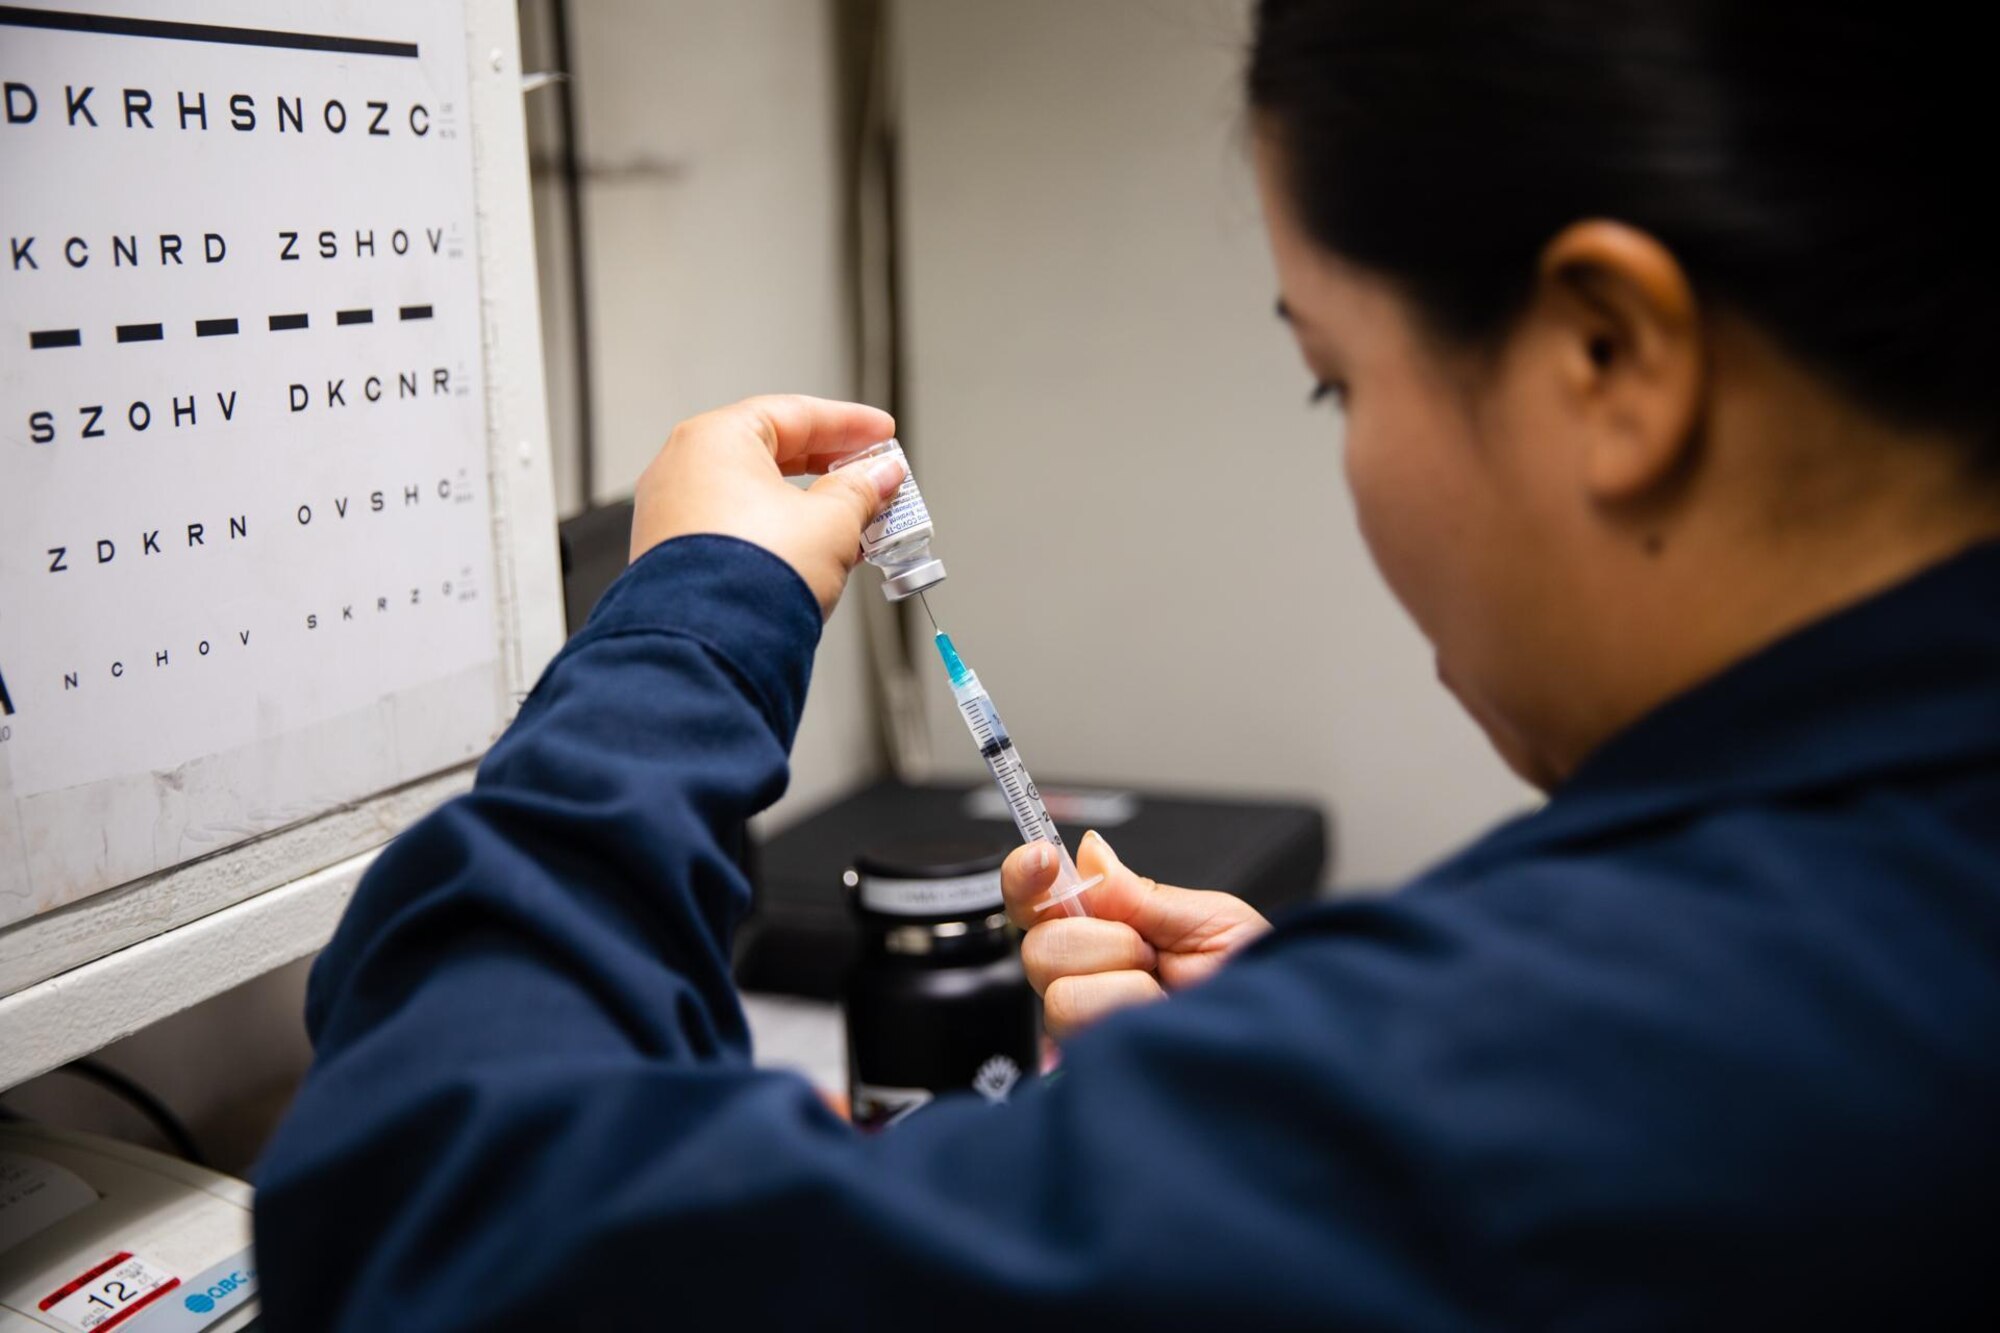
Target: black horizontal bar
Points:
(112, 25)
(354, 317)
(41, 338)
(279, 323)
(214, 328)
(416, 312)
(6, 700)
(140, 333)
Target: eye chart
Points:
(246, 553)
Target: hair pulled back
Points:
(1819, 168)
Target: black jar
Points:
(936, 1000)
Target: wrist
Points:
(745, 603)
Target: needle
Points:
(927, 609)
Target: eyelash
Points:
(1326, 389)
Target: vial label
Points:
(904, 513)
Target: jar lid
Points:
(933, 881)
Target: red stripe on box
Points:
(139, 1304)
(78, 1285)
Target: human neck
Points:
(1799, 506)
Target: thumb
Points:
(1172, 920)
(861, 491)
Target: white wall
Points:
(1153, 560)
(713, 209)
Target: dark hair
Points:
(1813, 166)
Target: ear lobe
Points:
(1638, 362)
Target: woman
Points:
(1665, 346)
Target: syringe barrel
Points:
(1024, 802)
(1031, 817)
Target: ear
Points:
(1632, 357)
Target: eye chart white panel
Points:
(246, 565)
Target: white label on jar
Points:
(904, 513)
(932, 897)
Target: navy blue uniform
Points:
(1712, 1039)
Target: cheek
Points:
(1414, 498)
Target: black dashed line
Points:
(41, 338)
(279, 323)
(214, 328)
(363, 316)
(141, 333)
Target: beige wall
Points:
(713, 210)
(1154, 565)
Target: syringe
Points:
(1024, 802)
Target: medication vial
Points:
(897, 541)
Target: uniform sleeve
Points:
(532, 1104)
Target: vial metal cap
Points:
(911, 581)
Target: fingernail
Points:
(1098, 838)
(1042, 857)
